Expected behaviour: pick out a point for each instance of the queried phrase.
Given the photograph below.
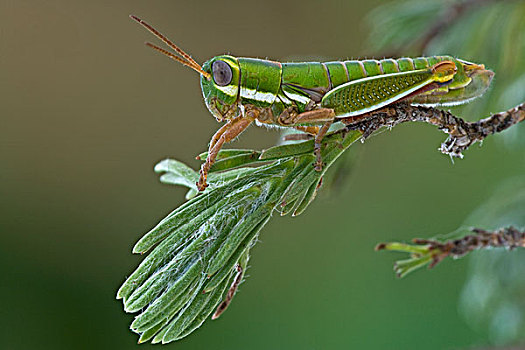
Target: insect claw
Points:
(201, 186)
(319, 165)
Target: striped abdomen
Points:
(302, 82)
(345, 71)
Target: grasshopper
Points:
(311, 96)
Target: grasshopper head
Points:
(221, 88)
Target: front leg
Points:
(225, 134)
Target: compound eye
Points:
(222, 73)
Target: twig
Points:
(507, 237)
(462, 134)
(432, 252)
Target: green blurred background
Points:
(87, 110)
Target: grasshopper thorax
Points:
(221, 91)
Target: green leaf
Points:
(195, 249)
(177, 173)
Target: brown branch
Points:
(462, 134)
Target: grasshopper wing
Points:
(365, 95)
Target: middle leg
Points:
(309, 133)
(317, 145)
(316, 116)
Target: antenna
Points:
(184, 58)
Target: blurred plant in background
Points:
(492, 32)
(493, 297)
(488, 31)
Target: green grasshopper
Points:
(311, 96)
